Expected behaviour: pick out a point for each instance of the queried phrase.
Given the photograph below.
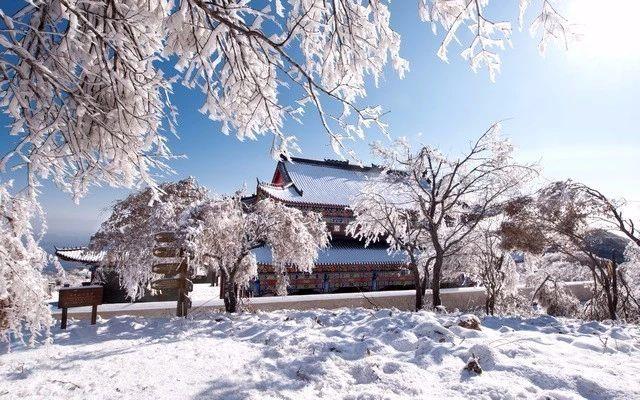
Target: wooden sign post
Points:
(176, 274)
(79, 296)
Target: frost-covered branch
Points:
(611, 212)
(80, 83)
(88, 84)
(489, 36)
(88, 90)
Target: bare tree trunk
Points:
(419, 284)
(493, 282)
(490, 304)
(419, 290)
(425, 280)
(612, 300)
(614, 289)
(419, 299)
(595, 292)
(611, 304)
(437, 277)
(230, 289)
(609, 284)
(231, 297)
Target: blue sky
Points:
(576, 112)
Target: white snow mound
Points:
(329, 354)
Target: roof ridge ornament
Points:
(330, 161)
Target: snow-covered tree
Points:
(218, 233)
(610, 213)
(437, 201)
(127, 236)
(23, 293)
(88, 83)
(561, 221)
(221, 234)
(488, 262)
(381, 216)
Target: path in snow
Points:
(339, 354)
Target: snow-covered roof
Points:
(80, 254)
(342, 254)
(320, 182)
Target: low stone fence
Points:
(464, 299)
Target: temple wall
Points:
(464, 299)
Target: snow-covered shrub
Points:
(514, 304)
(23, 292)
(492, 259)
(557, 300)
(493, 268)
(555, 268)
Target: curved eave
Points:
(63, 254)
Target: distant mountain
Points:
(607, 245)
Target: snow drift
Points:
(332, 354)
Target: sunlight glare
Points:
(608, 28)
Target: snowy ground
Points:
(338, 354)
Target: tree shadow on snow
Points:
(143, 331)
(227, 389)
(542, 323)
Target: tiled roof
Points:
(79, 254)
(321, 182)
(345, 254)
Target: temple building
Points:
(327, 187)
